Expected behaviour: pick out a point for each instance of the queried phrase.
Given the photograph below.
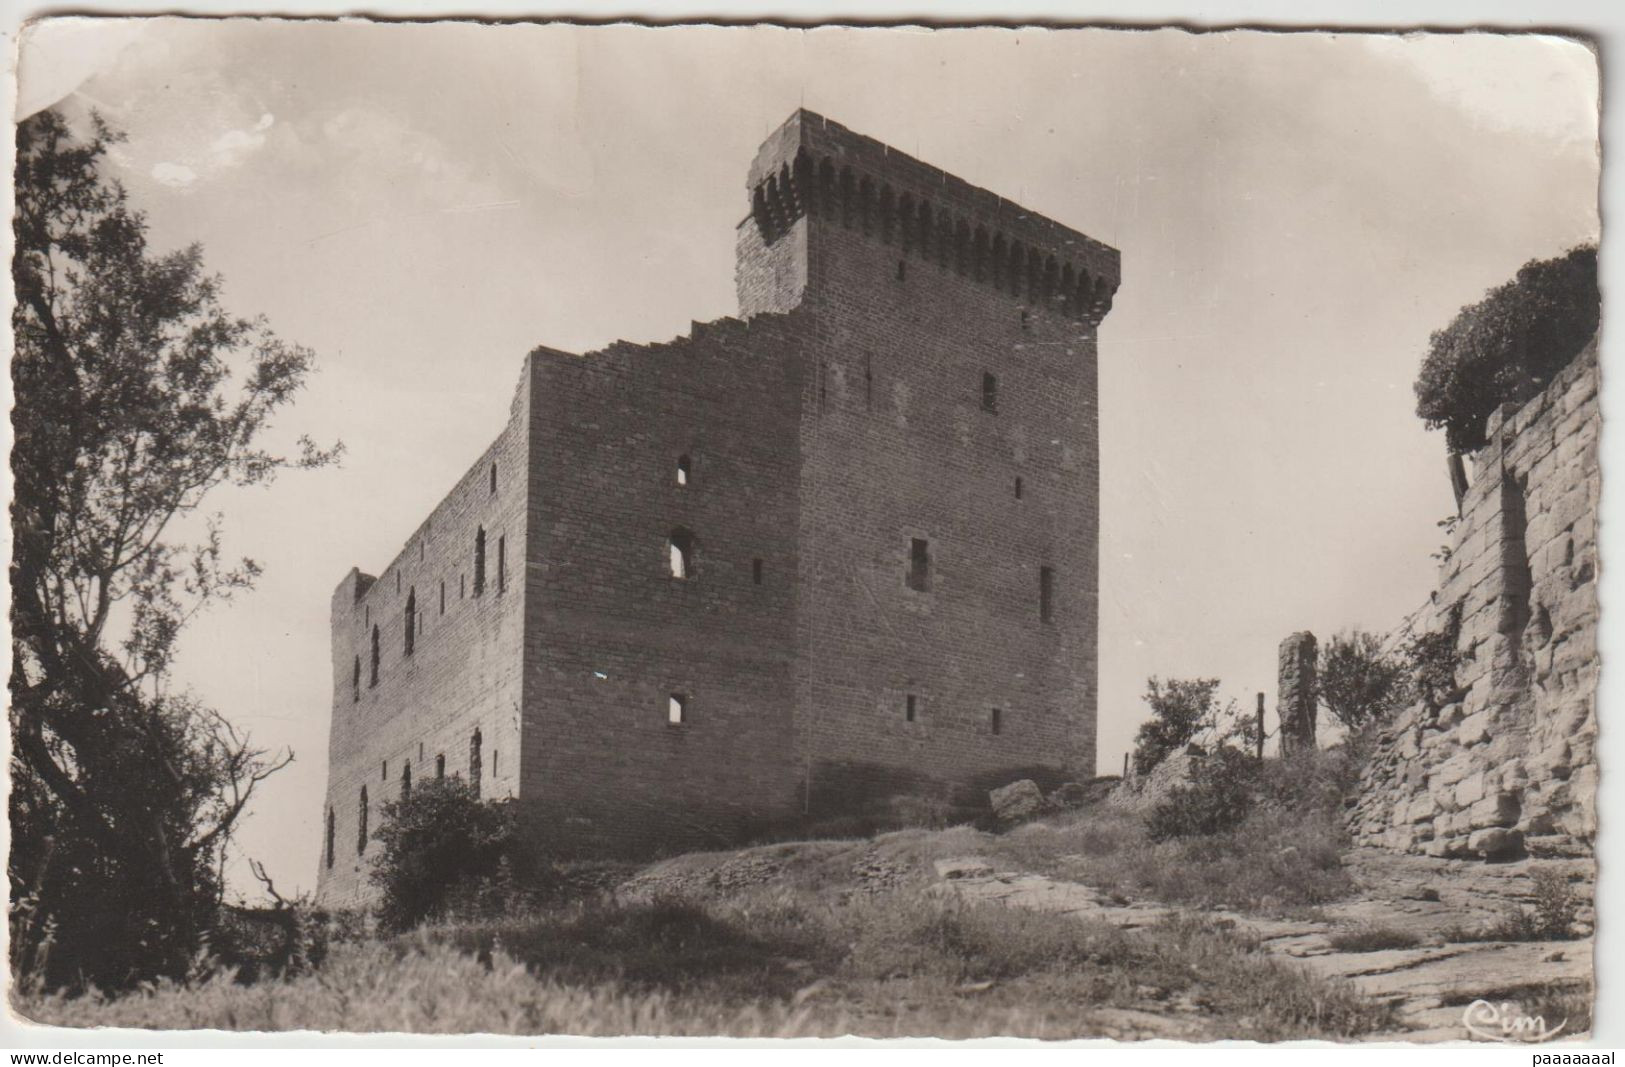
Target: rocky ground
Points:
(1431, 984)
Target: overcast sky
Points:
(422, 204)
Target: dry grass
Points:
(772, 963)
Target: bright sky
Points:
(422, 204)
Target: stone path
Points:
(1429, 986)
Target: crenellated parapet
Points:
(814, 168)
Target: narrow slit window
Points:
(1046, 593)
(902, 270)
(479, 561)
(406, 781)
(355, 682)
(868, 382)
(684, 469)
(474, 765)
(442, 596)
(990, 392)
(411, 621)
(361, 823)
(756, 571)
(493, 477)
(502, 562)
(462, 586)
(493, 763)
(919, 565)
(911, 708)
(995, 721)
(372, 679)
(1018, 487)
(676, 710)
(331, 830)
(383, 771)
(440, 766)
(680, 553)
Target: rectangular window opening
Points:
(990, 392)
(996, 721)
(919, 565)
(1046, 594)
(676, 710)
(911, 708)
(756, 571)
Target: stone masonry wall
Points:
(611, 635)
(463, 674)
(1510, 767)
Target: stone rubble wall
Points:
(1510, 766)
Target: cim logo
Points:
(1504, 1022)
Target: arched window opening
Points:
(475, 766)
(440, 767)
(361, 824)
(680, 553)
(331, 829)
(676, 709)
(479, 561)
(373, 677)
(684, 469)
(411, 620)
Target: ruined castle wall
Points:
(462, 675)
(1510, 766)
(612, 635)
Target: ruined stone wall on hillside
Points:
(1510, 765)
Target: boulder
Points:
(1016, 801)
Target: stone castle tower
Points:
(840, 548)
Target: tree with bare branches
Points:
(136, 395)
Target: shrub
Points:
(1179, 708)
(444, 847)
(1220, 796)
(1356, 682)
(1508, 346)
(1373, 939)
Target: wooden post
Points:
(1261, 726)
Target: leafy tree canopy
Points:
(438, 838)
(135, 395)
(1508, 346)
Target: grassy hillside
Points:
(824, 938)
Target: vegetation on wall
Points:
(136, 394)
(1508, 346)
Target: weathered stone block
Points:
(1501, 809)
(1016, 801)
(1496, 843)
